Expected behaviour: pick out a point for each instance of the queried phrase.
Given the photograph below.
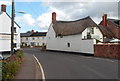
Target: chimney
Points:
(53, 17)
(3, 8)
(104, 20)
(32, 31)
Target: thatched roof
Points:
(73, 27)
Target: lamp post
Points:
(12, 28)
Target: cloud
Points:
(5, 2)
(69, 11)
(26, 19)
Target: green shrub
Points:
(20, 54)
(11, 65)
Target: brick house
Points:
(110, 28)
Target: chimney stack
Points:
(32, 31)
(104, 20)
(3, 8)
(53, 17)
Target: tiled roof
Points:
(39, 34)
(111, 30)
(73, 27)
(30, 34)
(106, 32)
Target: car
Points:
(1, 57)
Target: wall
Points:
(5, 29)
(37, 39)
(107, 50)
(76, 43)
(97, 34)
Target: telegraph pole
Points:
(12, 28)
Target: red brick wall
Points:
(107, 50)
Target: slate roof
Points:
(30, 34)
(25, 34)
(39, 34)
(73, 27)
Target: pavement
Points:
(29, 69)
(57, 65)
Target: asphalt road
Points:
(58, 65)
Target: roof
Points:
(73, 27)
(30, 34)
(115, 21)
(25, 34)
(106, 32)
(39, 34)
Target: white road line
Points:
(42, 71)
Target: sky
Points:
(37, 14)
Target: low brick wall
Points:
(107, 50)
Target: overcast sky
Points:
(38, 16)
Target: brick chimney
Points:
(104, 20)
(53, 17)
(3, 8)
(32, 31)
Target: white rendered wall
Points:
(97, 34)
(5, 28)
(38, 39)
(76, 43)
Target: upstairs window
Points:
(59, 35)
(15, 30)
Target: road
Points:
(57, 65)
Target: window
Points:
(27, 38)
(37, 44)
(43, 38)
(33, 38)
(15, 30)
(49, 37)
(59, 35)
(68, 44)
(15, 45)
(92, 31)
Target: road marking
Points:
(42, 71)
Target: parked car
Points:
(1, 57)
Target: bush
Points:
(11, 65)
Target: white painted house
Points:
(5, 32)
(33, 38)
(73, 36)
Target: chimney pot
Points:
(3, 8)
(53, 17)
